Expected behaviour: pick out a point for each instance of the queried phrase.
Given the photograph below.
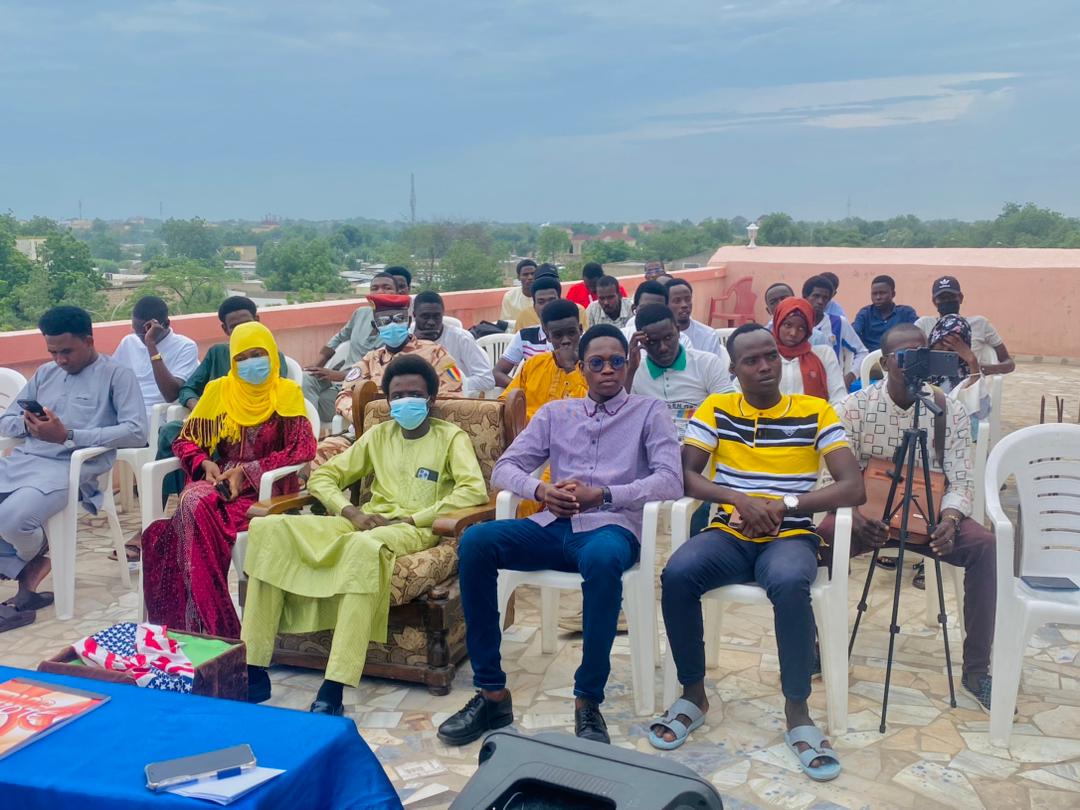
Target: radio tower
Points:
(412, 197)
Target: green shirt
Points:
(217, 363)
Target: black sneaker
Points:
(919, 580)
(978, 686)
(589, 724)
(479, 716)
(331, 708)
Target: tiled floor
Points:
(931, 756)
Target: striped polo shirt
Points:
(770, 453)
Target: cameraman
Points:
(875, 419)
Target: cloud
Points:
(851, 104)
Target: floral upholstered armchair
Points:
(426, 632)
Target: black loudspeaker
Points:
(555, 771)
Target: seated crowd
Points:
(626, 401)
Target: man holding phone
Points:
(80, 399)
(161, 359)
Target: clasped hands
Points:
(365, 522)
(759, 517)
(874, 534)
(565, 499)
(235, 477)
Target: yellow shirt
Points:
(543, 381)
(528, 317)
(767, 454)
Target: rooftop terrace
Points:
(930, 757)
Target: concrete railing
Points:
(302, 329)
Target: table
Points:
(97, 761)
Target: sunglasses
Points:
(386, 320)
(596, 364)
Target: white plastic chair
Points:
(452, 321)
(997, 392)
(638, 602)
(828, 598)
(869, 362)
(1045, 462)
(153, 477)
(723, 333)
(293, 371)
(11, 383)
(130, 460)
(495, 345)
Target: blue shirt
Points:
(870, 326)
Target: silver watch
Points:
(69, 443)
(791, 503)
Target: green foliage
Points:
(467, 266)
(299, 265)
(193, 238)
(604, 252)
(65, 274)
(152, 249)
(677, 242)
(38, 226)
(780, 229)
(550, 243)
(189, 286)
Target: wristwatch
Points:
(791, 503)
(69, 443)
(605, 502)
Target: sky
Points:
(517, 110)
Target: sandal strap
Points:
(676, 727)
(813, 737)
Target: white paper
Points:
(226, 791)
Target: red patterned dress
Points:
(186, 558)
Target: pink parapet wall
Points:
(302, 329)
(1031, 295)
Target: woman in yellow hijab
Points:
(246, 423)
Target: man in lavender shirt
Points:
(609, 454)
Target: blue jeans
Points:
(600, 556)
(785, 568)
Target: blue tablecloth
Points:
(98, 760)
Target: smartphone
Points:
(1050, 583)
(34, 407)
(224, 490)
(220, 764)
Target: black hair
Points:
(650, 286)
(592, 270)
(235, 303)
(400, 271)
(885, 280)
(607, 281)
(411, 364)
(653, 313)
(557, 310)
(428, 297)
(676, 281)
(383, 275)
(546, 282)
(813, 283)
(776, 284)
(547, 269)
(745, 329)
(601, 330)
(523, 264)
(835, 279)
(897, 332)
(65, 320)
(151, 308)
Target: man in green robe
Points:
(310, 572)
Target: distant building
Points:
(578, 241)
(29, 246)
(245, 253)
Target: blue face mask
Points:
(409, 412)
(394, 334)
(254, 370)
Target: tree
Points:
(189, 286)
(298, 265)
(192, 238)
(467, 267)
(551, 242)
(72, 276)
(603, 252)
(152, 249)
(676, 243)
(779, 229)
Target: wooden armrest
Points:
(280, 505)
(452, 524)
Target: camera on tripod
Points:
(920, 365)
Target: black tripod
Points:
(914, 440)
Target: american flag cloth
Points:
(142, 651)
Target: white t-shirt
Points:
(984, 337)
(684, 390)
(180, 355)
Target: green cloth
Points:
(315, 559)
(679, 364)
(217, 363)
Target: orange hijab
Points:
(813, 370)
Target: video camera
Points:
(920, 365)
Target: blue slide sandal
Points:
(812, 736)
